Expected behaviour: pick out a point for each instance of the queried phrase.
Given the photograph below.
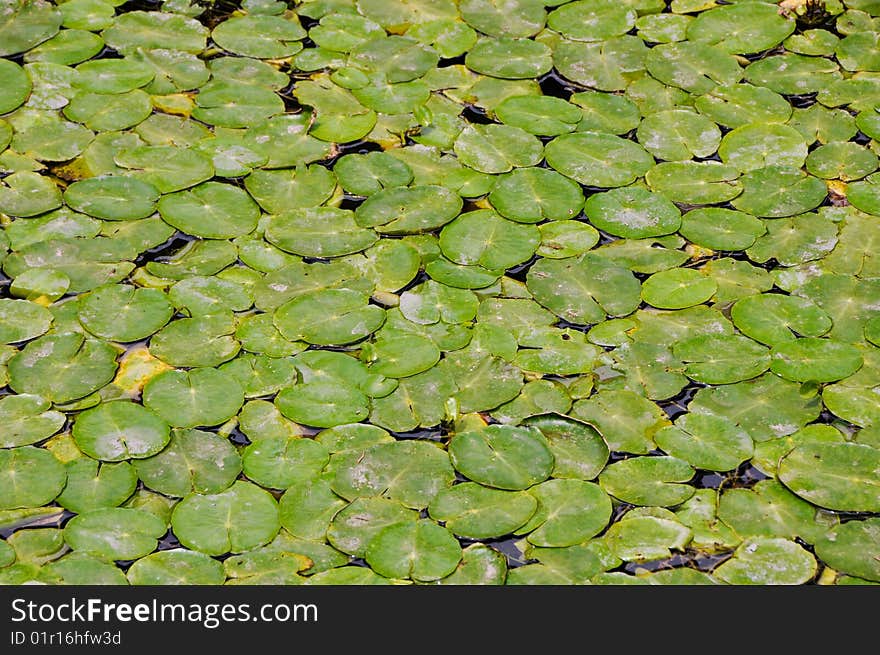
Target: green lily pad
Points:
(168, 168)
(529, 195)
(91, 485)
(114, 533)
(62, 367)
(592, 21)
(633, 213)
(328, 317)
(597, 159)
(408, 210)
(419, 550)
(29, 477)
(791, 73)
(539, 115)
(28, 194)
(202, 295)
(626, 420)
(120, 430)
(199, 341)
(479, 565)
(22, 320)
(780, 145)
(695, 183)
(678, 288)
(505, 457)
(743, 104)
(211, 210)
(410, 472)
(152, 29)
(678, 134)
(199, 396)
(721, 229)
(28, 419)
(27, 24)
(176, 567)
(112, 198)
(497, 148)
(713, 443)
(604, 112)
(622, 58)
(287, 189)
(833, 475)
(769, 510)
(280, 462)
(583, 298)
(741, 28)
(193, 461)
(484, 238)
(81, 569)
(353, 528)
(261, 37)
(851, 547)
(121, 312)
(16, 86)
(476, 512)
(307, 507)
(509, 58)
(233, 104)
(319, 232)
(774, 318)
(236, 520)
(323, 404)
(52, 140)
(692, 66)
(813, 359)
(569, 512)
(649, 481)
(643, 537)
(765, 561)
(722, 359)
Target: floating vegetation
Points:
(370, 292)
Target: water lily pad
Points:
(353, 528)
(28, 194)
(622, 58)
(29, 477)
(236, 520)
(211, 210)
(81, 569)
(323, 404)
(27, 419)
(280, 462)
(168, 168)
(62, 367)
(813, 359)
(505, 457)
(722, 359)
(91, 485)
(695, 183)
(176, 567)
(261, 37)
(112, 198)
(841, 160)
(204, 340)
(409, 209)
(497, 148)
(742, 28)
(642, 537)
(707, 442)
(678, 134)
(369, 173)
(114, 533)
(764, 561)
(26, 24)
(742, 104)
(193, 461)
(121, 312)
(793, 74)
(476, 512)
(410, 472)
(633, 213)
(597, 159)
(678, 288)
(592, 21)
(120, 430)
(331, 316)
(319, 232)
(529, 195)
(851, 547)
(569, 512)
(153, 29)
(479, 565)
(648, 481)
(509, 58)
(307, 507)
(692, 66)
(199, 396)
(419, 550)
(626, 420)
(22, 320)
(770, 510)
(757, 145)
(833, 475)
